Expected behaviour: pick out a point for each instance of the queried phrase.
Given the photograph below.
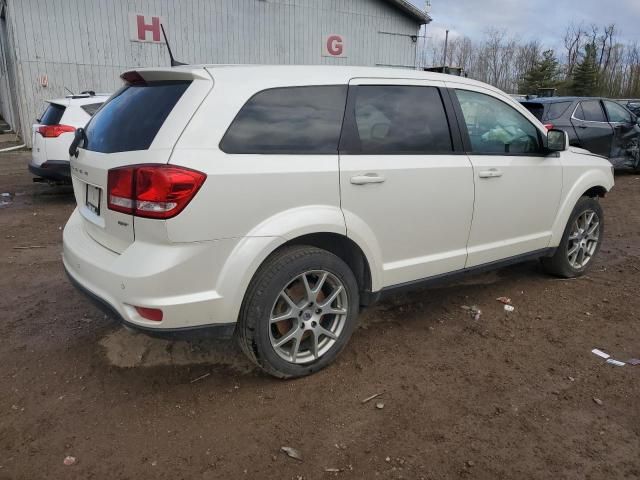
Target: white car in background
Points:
(275, 201)
(54, 132)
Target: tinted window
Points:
(590, 111)
(556, 110)
(91, 108)
(536, 108)
(495, 127)
(617, 113)
(52, 115)
(131, 119)
(303, 120)
(392, 119)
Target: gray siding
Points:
(84, 44)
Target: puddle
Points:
(127, 349)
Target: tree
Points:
(543, 74)
(585, 74)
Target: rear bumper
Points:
(179, 279)
(224, 330)
(57, 170)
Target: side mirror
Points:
(556, 140)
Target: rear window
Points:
(91, 108)
(536, 108)
(53, 114)
(131, 119)
(291, 120)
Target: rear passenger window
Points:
(590, 111)
(291, 120)
(391, 119)
(52, 115)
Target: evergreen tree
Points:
(543, 74)
(585, 74)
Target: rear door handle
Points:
(367, 178)
(491, 173)
(582, 126)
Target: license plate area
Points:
(92, 199)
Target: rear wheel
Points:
(580, 242)
(299, 311)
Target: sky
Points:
(545, 20)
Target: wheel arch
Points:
(344, 248)
(594, 183)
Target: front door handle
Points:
(367, 178)
(491, 173)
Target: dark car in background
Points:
(599, 125)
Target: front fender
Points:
(587, 180)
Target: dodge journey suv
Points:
(277, 201)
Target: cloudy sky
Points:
(545, 20)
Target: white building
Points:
(49, 47)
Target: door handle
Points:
(582, 126)
(367, 178)
(491, 173)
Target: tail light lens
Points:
(53, 131)
(152, 191)
(548, 126)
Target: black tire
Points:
(559, 264)
(254, 330)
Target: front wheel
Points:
(299, 311)
(580, 242)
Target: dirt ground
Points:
(510, 396)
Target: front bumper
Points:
(55, 170)
(179, 279)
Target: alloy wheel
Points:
(308, 316)
(583, 240)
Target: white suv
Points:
(53, 133)
(276, 201)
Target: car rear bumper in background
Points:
(57, 170)
(179, 279)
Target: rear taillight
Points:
(53, 131)
(548, 126)
(152, 191)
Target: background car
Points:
(599, 125)
(53, 134)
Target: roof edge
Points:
(412, 11)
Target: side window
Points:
(495, 127)
(617, 113)
(292, 120)
(592, 111)
(556, 110)
(394, 119)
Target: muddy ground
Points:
(508, 396)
